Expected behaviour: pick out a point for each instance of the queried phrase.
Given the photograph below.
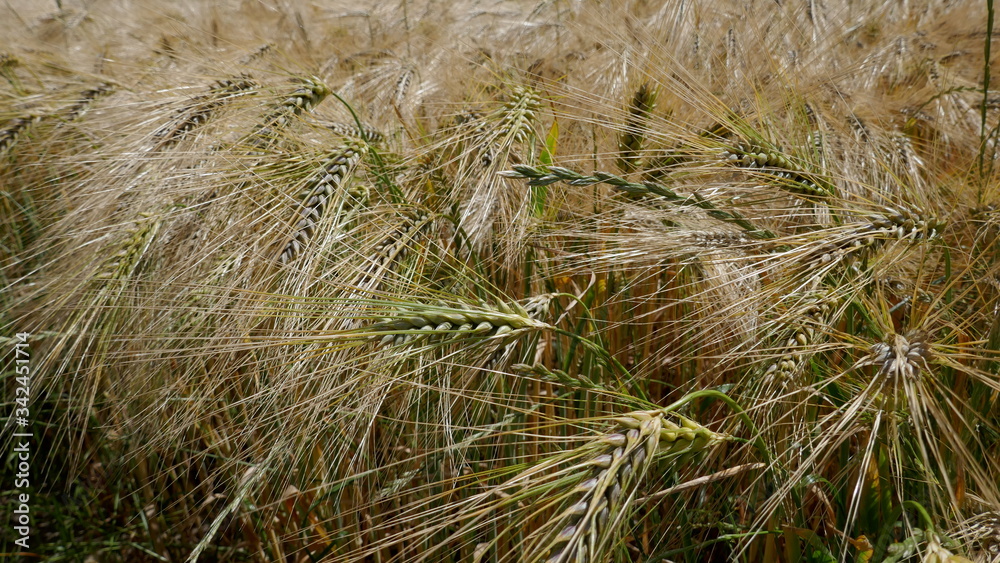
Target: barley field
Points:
(552, 281)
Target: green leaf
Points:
(539, 193)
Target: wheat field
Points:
(499, 281)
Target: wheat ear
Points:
(306, 97)
(772, 162)
(85, 100)
(14, 129)
(200, 109)
(319, 190)
(631, 138)
(543, 176)
(122, 264)
(364, 132)
(391, 249)
(867, 237)
(413, 324)
(584, 531)
(797, 335)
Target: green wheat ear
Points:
(630, 141)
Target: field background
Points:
(554, 281)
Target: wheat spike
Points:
(772, 162)
(631, 138)
(414, 324)
(393, 248)
(619, 463)
(8, 63)
(15, 128)
(364, 133)
(86, 98)
(543, 176)
(122, 264)
(306, 97)
(324, 186)
(200, 109)
(902, 358)
(402, 86)
(797, 336)
(257, 53)
(518, 115)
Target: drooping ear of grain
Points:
(85, 100)
(596, 509)
(200, 109)
(304, 98)
(329, 183)
(15, 128)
